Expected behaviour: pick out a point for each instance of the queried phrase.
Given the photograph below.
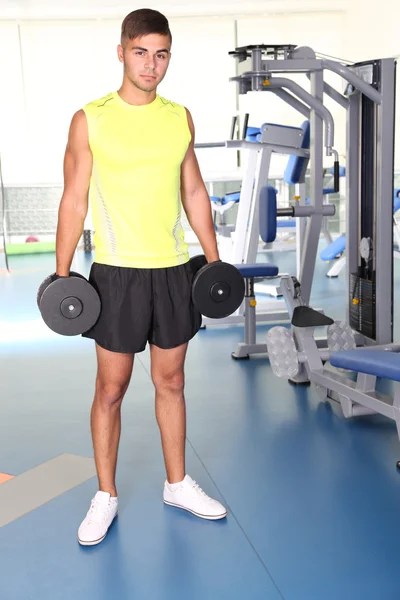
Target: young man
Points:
(134, 152)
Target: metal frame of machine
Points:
(369, 100)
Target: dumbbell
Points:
(68, 305)
(218, 287)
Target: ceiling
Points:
(100, 9)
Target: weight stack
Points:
(87, 241)
(363, 305)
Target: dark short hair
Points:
(143, 22)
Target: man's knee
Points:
(172, 382)
(110, 393)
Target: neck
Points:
(131, 94)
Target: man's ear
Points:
(120, 52)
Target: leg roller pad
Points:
(282, 352)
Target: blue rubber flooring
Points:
(314, 499)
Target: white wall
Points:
(58, 67)
(74, 68)
(12, 111)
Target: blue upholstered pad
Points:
(336, 247)
(258, 270)
(396, 200)
(252, 133)
(342, 171)
(372, 362)
(286, 223)
(231, 197)
(267, 214)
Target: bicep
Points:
(78, 162)
(191, 179)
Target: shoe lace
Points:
(97, 512)
(198, 489)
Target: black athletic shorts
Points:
(143, 305)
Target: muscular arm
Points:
(74, 202)
(196, 201)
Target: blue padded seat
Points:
(334, 248)
(286, 223)
(372, 362)
(258, 270)
(230, 197)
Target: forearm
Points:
(199, 214)
(69, 231)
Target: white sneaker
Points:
(189, 496)
(93, 529)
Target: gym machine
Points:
(364, 342)
(369, 100)
(263, 62)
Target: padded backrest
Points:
(267, 214)
(297, 165)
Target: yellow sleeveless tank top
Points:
(135, 183)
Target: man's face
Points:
(146, 60)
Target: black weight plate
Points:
(47, 282)
(42, 287)
(75, 274)
(73, 293)
(197, 262)
(218, 290)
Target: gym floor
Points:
(314, 499)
